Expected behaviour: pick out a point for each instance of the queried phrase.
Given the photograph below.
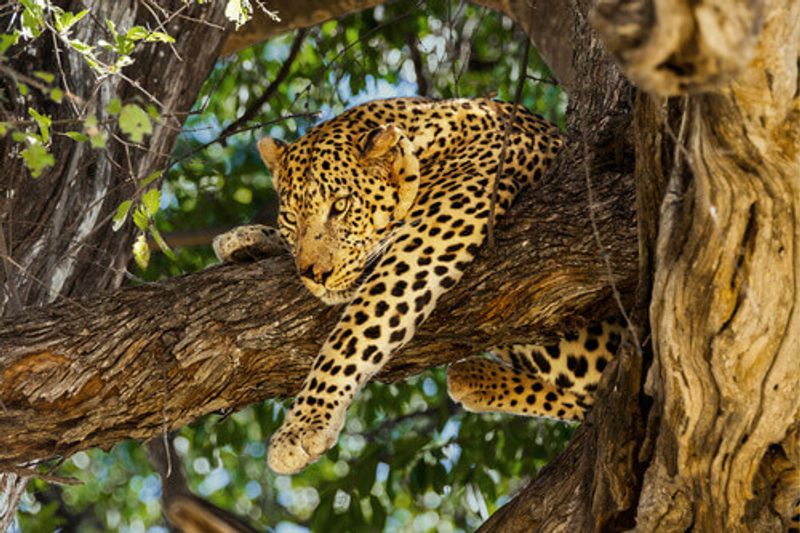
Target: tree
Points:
(710, 115)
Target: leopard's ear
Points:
(388, 144)
(271, 151)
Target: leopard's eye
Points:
(340, 206)
(289, 218)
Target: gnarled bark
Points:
(718, 449)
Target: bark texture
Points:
(129, 364)
(726, 326)
(718, 447)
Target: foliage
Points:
(408, 460)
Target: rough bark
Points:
(128, 364)
(718, 449)
(726, 326)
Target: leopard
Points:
(383, 208)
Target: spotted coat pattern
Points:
(384, 207)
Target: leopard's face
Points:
(332, 237)
(337, 213)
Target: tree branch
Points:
(255, 106)
(74, 377)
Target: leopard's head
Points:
(341, 194)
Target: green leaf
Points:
(43, 121)
(67, 19)
(162, 244)
(97, 136)
(37, 158)
(77, 136)
(141, 252)
(7, 40)
(81, 47)
(23, 89)
(152, 177)
(112, 27)
(243, 195)
(114, 106)
(122, 214)
(159, 37)
(46, 77)
(152, 111)
(56, 95)
(99, 139)
(151, 201)
(4, 127)
(134, 122)
(140, 218)
(137, 33)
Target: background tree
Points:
(717, 271)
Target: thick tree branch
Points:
(76, 376)
(670, 47)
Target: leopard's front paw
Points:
(295, 446)
(248, 243)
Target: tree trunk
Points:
(717, 201)
(57, 242)
(725, 315)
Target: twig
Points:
(225, 136)
(509, 124)
(539, 79)
(164, 415)
(57, 53)
(50, 478)
(253, 109)
(13, 296)
(603, 252)
(419, 65)
(13, 74)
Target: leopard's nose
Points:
(316, 274)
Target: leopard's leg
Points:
(485, 385)
(571, 368)
(249, 243)
(391, 303)
(426, 258)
